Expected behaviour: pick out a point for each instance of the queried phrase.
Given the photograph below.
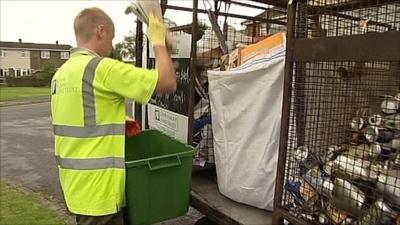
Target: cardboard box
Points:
(231, 60)
(263, 47)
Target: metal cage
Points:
(209, 57)
(339, 156)
(206, 51)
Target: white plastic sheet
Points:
(246, 105)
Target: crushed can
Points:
(323, 219)
(355, 168)
(378, 213)
(357, 123)
(359, 151)
(389, 187)
(375, 120)
(395, 144)
(330, 154)
(348, 197)
(390, 106)
(392, 122)
(375, 150)
(301, 154)
(382, 135)
(320, 183)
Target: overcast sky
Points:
(48, 21)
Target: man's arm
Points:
(166, 71)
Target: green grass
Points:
(17, 207)
(15, 93)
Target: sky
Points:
(49, 21)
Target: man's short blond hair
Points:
(86, 22)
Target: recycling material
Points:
(356, 182)
(143, 8)
(246, 105)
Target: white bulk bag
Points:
(246, 105)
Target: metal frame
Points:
(139, 62)
(363, 47)
(194, 68)
(279, 213)
(194, 57)
(350, 48)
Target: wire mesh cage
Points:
(343, 132)
(237, 31)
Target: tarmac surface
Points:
(27, 152)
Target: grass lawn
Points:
(17, 207)
(14, 93)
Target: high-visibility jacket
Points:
(88, 113)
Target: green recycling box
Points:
(158, 177)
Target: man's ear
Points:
(101, 31)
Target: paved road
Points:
(26, 148)
(26, 152)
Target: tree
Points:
(126, 48)
(47, 73)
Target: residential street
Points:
(27, 156)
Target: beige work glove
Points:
(156, 31)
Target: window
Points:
(5, 72)
(17, 72)
(64, 55)
(24, 72)
(3, 53)
(45, 54)
(25, 54)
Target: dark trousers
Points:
(113, 219)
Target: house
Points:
(24, 59)
(261, 30)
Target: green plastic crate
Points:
(158, 178)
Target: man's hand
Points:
(156, 31)
(132, 127)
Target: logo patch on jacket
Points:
(53, 87)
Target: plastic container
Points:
(158, 178)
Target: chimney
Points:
(20, 40)
(57, 42)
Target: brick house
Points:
(25, 59)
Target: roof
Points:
(273, 11)
(27, 45)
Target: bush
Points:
(42, 78)
(46, 74)
(29, 81)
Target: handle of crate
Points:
(176, 159)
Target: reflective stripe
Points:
(90, 128)
(91, 164)
(88, 92)
(91, 131)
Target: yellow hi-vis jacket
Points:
(88, 113)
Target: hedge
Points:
(27, 81)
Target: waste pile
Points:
(354, 183)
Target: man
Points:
(88, 113)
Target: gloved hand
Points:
(156, 31)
